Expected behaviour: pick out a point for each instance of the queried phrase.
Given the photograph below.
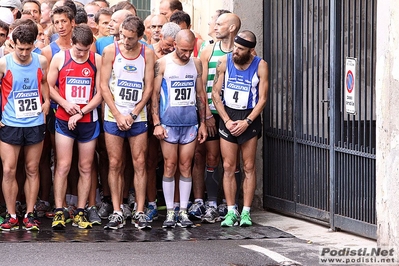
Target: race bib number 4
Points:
(236, 95)
(27, 103)
(77, 90)
(182, 93)
(128, 93)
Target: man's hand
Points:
(160, 132)
(202, 133)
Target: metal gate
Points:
(319, 161)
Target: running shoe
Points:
(232, 218)
(222, 209)
(211, 215)
(30, 223)
(116, 221)
(127, 212)
(245, 220)
(151, 213)
(105, 210)
(58, 220)
(81, 221)
(140, 221)
(183, 220)
(170, 219)
(41, 208)
(197, 210)
(9, 223)
(93, 215)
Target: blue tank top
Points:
(178, 95)
(21, 93)
(241, 90)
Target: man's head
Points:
(102, 19)
(33, 6)
(91, 9)
(102, 3)
(116, 20)
(82, 38)
(63, 20)
(15, 7)
(212, 22)
(168, 36)
(126, 5)
(182, 19)
(168, 7)
(227, 25)
(45, 9)
(81, 16)
(4, 29)
(23, 38)
(184, 45)
(156, 25)
(147, 25)
(244, 45)
(132, 30)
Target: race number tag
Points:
(128, 93)
(77, 90)
(182, 93)
(236, 95)
(27, 103)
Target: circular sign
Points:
(350, 81)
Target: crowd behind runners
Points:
(120, 107)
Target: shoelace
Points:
(170, 216)
(116, 218)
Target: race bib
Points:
(27, 103)
(182, 93)
(77, 90)
(128, 93)
(236, 95)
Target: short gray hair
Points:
(170, 29)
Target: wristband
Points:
(208, 117)
(227, 121)
(157, 124)
(81, 113)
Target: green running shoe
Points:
(245, 219)
(232, 218)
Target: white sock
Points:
(153, 204)
(230, 208)
(168, 187)
(200, 201)
(247, 209)
(212, 204)
(185, 184)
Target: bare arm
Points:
(201, 102)
(158, 75)
(263, 73)
(105, 75)
(44, 85)
(217, 89)
(97, 98)
(159, 131)
(148, 81)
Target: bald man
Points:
(226, 28)
(178, 95)
(156, 26)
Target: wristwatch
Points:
(133, 116)
(249, 121)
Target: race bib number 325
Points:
(27, 103)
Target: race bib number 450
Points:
(27, 103)
(128, 93)
(236, 95)
(182, 93)
(77, 90)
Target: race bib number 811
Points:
(77, 90)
